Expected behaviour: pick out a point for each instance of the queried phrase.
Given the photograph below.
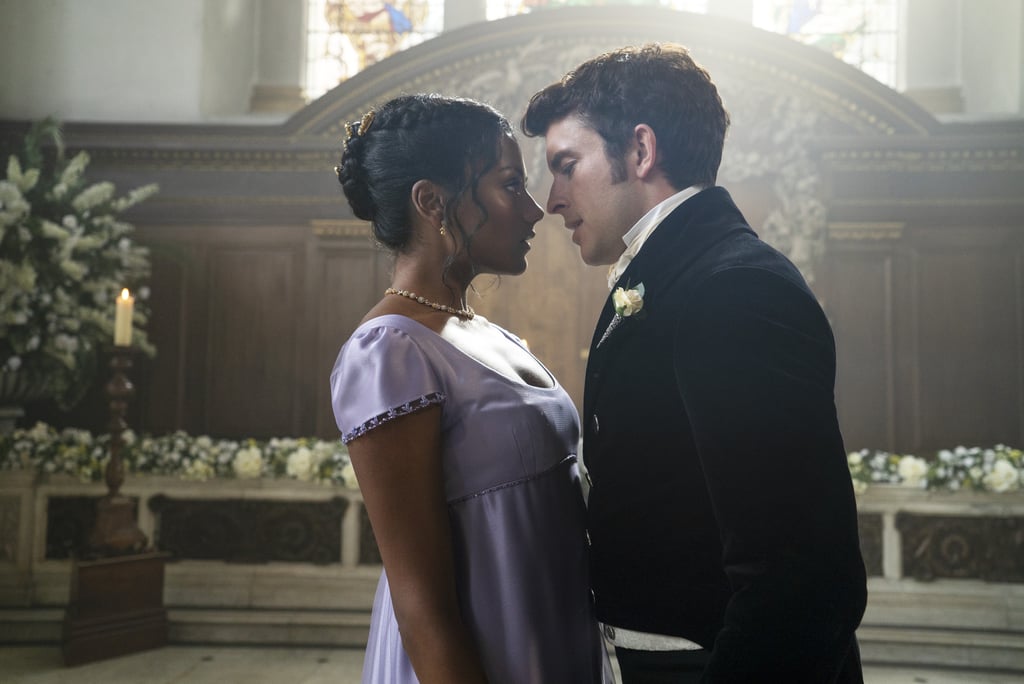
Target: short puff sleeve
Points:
(381, 374)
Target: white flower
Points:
(73, 171)
(73, 269)
(13, 207)
(248, 463)
(93, 196)
(53, 231)
(855, 458)
(913, 471)
(628, 302)
(198, 470)
(13, 363)
(1003, 477)
(300, 464)
(24, 180)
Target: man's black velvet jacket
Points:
(721, 507)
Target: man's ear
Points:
(428, 201)
(645, 150)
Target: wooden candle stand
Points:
(115, 604)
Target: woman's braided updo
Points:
(450, 141)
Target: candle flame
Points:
(125, 295)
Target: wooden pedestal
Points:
(116, 607)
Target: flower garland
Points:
(64, 257)
(998, 469)
(79, 453)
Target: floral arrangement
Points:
(998, 469)
(64, 258)
(81, 454)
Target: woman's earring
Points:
(442, 230)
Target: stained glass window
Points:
(863, 33)
(346, 36)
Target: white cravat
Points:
(642, 229)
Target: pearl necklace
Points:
(466, 313)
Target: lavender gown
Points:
(514, 500)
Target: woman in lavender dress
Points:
(463, 443)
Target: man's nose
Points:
(556, 200)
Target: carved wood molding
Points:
(973, 159)
(866, 231)
(329, 228)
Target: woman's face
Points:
(499, 244)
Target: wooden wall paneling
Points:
(253, 337)
(348, 275)
(162, 381)
(969, 302)
(862, 321)
(1019, 287)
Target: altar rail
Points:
(284, 561)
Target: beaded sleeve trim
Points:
(392, 413)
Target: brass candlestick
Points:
(115, 531)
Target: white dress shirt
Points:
(642, 229)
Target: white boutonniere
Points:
(627, 302)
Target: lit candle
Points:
(123, 319)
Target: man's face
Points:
(598, 210)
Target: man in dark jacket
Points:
(721, 511)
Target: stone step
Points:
(333, 628)
(940, 647)
(991, 650)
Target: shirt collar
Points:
(636, 236)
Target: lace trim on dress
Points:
(392, 413)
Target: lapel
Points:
(691, 230)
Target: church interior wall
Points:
(260, 272)
(259, 268)
(991, 76)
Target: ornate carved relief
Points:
(10, 522)
(69, 521)
(869, 526)
(941, 547)
(250, 531)
(369, 554)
